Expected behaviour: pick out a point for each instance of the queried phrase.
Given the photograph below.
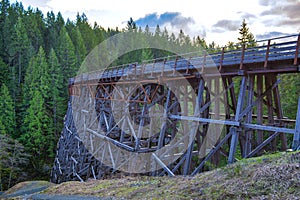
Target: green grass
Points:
(274, 176)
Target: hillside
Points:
(275, 176)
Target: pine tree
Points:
(99, 33)
(66, 56)
(79, 45)
(246, 37)
(4, 5)
(37, 78)
(7, 113)
(58, 102)
(51, 32)
(147, 31)
(87, 32)
(37, 130)
(35, 27)
(4, 73)
(131, 25)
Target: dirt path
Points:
(30, 190)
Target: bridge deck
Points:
(279, 55)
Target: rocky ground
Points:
(275, 176)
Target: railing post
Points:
(204, 62)
(243, 56)
(297, 51)
(221, 60)
(267, 54)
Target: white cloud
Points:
(205, 14)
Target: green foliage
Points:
(37, 131)
(290, 90)
(66, 55)
(131, 25)
(37, 77)
(57, 103)
(88, 34)
(79, 45)
(7, 113)
(4, 72)
(246, 37)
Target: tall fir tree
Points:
(7, 113)
(131, 25)
(4, 5)
(80, 49)
(4, 73)
(33, 21)
(66, 55)
(87, 32)
(58, 102)
(246, 37)
(37, 136)
(37, 77)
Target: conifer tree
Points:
(246, 37)
(80, 49)
(20, 50)
(4, 5)
(99, 33)
(131, 25)
(35, 28)
(66, 56)
(4, 73)
(86, 31)
(37, 78)
(7, 113)
(37, 135)
(58, 103)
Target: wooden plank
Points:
(296, 139)
(233, 145)
(262, 145)
(162, 165)
(260, 127)
(211, 153)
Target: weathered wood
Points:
(296, 139)
(145, 109)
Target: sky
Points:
(215, 20)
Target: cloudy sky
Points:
(216, 20)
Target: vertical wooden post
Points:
(221, 59)
(164, 122)
(267, 54)
(232, 94)
(296, 139)
(297, 51)
(233, 130)
(188, 159)
(259, 80)
(233, 144)
(242, 57)
(268, 84)
(217, 129)
(248, 133)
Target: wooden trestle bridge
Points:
(178, 115)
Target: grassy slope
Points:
(275, 176)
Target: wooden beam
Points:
(296, 139)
